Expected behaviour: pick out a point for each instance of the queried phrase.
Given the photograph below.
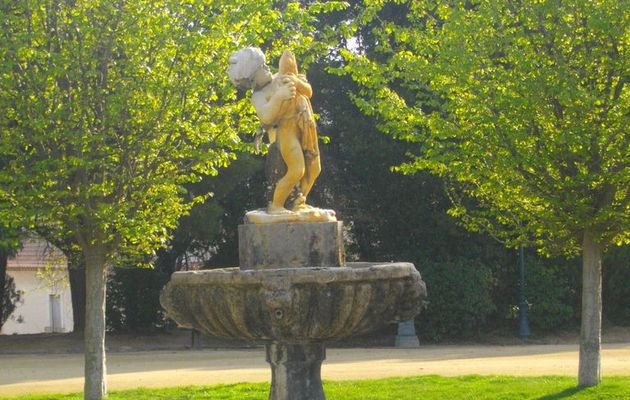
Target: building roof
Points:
(36, 253)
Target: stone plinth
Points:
(291, 245)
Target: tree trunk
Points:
(76, 274)
(591, 332)
(95, 369)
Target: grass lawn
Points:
(414, 388)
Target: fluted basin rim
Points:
(294, 304)
(352, 272)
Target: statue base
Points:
(290, 245)
(306, 215)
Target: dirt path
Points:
(61, 373)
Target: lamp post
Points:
(523, 323)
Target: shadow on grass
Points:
(562, 395)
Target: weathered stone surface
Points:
(296, 371)
(294, 305)
(290, 245)
(310, 214)
(294, 292)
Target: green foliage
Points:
(522, 105)
(110, 107)
(431, 386)
(460, 300)
(133, 300)
(208, 235)
(9, 298)
(550, 295)
(389, 216)
(616, 289)
(10, 241)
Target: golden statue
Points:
(282, 102)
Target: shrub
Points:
(10, 298)
(459, 295)
(133, 303)
(549, 293)
(616, 290)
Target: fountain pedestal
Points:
(294, 292)
(296, 371)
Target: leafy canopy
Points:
(522, 105)
(109, 107)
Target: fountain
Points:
(293, 289)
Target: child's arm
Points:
(303, 87)
(301, 84)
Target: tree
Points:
(523, 107)
(109, 107)
(9, 297)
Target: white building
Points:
(40, 272)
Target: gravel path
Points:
(61, 373)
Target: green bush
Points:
(9, 299)
(459, 295)
(133, 303)
(549, 293)
(616, 287)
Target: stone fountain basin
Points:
(294, 304)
